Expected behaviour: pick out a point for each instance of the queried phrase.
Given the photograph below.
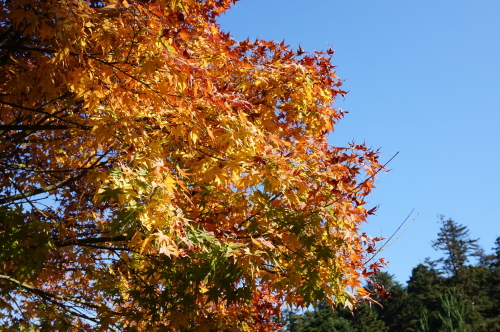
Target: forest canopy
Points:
(157, 173)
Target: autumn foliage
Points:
(156, 174)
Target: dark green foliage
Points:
(325, 319)
(496, 254)
(426, 285)
(446, 295)
(453, 239)
(400, 310)
(492, 288)
(322, 319)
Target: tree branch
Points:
(62, 244)
(53, 296)
(32, 127)
(38, 191)
(48, 115)
(60, 184)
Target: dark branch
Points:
(48, 115)
(25, 48)
(60, 184)
(32, 127)
(61, 244)
(38, 191)
(54, 296)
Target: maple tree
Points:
(156, 173)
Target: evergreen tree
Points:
(493, 288)
(400, 311)
(457, 245)
(426, 284)
(322, 319)
(457, 297)
(291, 320)
(455, 313)
(366, 319)
(395, 310)
(496, 254)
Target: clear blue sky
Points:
(424, 79)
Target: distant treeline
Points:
(449, 294)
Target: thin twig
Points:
(367, 179)
(389, 239)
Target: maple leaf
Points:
(300, 51)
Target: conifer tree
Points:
(457, 245)
(494, 285)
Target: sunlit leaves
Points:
(166, 175)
